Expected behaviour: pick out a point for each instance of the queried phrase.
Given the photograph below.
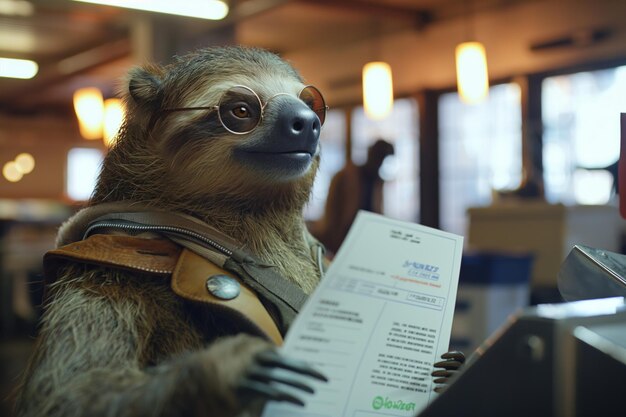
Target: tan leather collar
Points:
(188, 271)
(156, 256)
(189, 281)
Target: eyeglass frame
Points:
(263, 105)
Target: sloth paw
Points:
(275, 377)
(451, 363)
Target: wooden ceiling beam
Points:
(20, 97)
(420, 17)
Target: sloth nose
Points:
(300, 121)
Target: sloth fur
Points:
(113, 343)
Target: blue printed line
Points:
(411, 303)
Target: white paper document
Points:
(378, 321)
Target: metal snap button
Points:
(223, 287)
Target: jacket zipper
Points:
(136, 227)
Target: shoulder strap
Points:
(162, 257)
(211, 244)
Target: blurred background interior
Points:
(524, 166)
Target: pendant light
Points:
(471, 69)
(113, 118)
(471, 72)
(89, 107)
(98, 118)
(377, 90)
(377, 81)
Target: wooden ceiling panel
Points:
(78, 44)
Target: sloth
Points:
(241, 157)
(227, 139)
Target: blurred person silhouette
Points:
(353, 188)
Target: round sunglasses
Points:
(240, 110)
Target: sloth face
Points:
(279, 135)
(235, 118)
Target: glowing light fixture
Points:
(205, 9)
(377, 90)
(89, 107)
(113, 118)
(471, 72)
(11, 172)
(16, 8)
(18, 68)
(14, 170)
(25, 163)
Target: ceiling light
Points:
(471, 72)
(16, 8)
(206, 9)
(113, 118)
(18, 68)
(89, 107)
(377, 90)
(25, 163)
(11, 172)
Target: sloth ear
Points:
(145, 86)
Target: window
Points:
(480, 150)
(83, 167)
(401, 174)
(581, 134)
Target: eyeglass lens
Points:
(314, 99)
(240, 108)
